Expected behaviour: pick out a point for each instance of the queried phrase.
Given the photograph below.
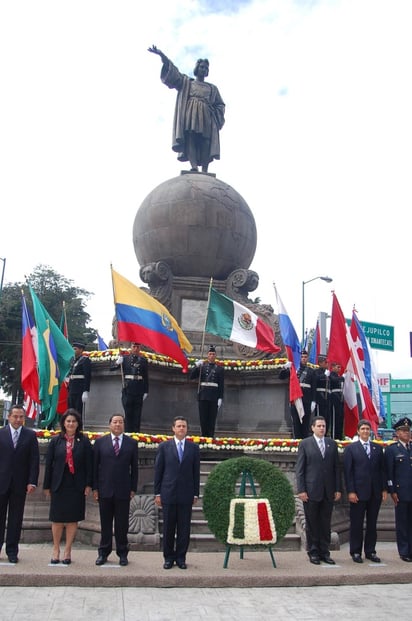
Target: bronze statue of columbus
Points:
(199, 113)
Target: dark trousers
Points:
(301, 429)
(403, 523)
(207, 416)
(318, 517)
(176, 521)
(357, 513)
(132, 405)
(14, 502)
(336, 417)
(75, 401)
(113, 509)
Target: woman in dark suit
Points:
(67, 480)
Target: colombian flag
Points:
(143, 319)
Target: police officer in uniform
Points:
(322, 390)
(306, 377)
(336, 383)
(210, 391)
(399, 471)
(135, 377)
(79, 378)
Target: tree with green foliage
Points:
(52, 289)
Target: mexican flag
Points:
(230, 320)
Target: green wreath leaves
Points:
(220, 488)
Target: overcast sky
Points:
(317, 139)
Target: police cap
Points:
(403, 423)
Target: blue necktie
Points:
(180, 450)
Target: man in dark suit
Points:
(19, 473)
(365, 479)
(399, 472)
(318, 485)
(176, 488)
(79, 378)
(210, 391)
(135, 379)
(114, 485)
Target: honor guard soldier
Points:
(399, 471)
(210, 391)
(135, 377)
(322, 390)
(306, 377)
(79, 378)
(336, 383)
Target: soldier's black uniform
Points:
(80, 374)
(306, 376)
(135, 376)
(211, 387)
(336, 384)
(322, 392)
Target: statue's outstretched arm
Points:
(155, 50)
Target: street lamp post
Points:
(2, 275)
(305, 282)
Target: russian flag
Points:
(143, 319)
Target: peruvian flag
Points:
(343, 350)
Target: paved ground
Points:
(144, 591)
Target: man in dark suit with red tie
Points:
(176, 488)
(318, 484)
(114, 485)
(19, 473)
(365, 479)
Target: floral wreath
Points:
(220, 489)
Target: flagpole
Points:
(118, 342)
(207, 310)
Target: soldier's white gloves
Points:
(313, 406)
(85, 396)
(119, 360)
(219, 403)
(287, 365)
(327, 372)
(199, 363)
(144, 396)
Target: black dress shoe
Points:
(168, 565)
(66, 561)
(357, 558)
(123, 561)
(408, 559)
(13, 559)
(101, 560)
(373, 558)
(54, 561)
(314, 559)
(182, 565)
(328, 560)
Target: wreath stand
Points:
(246, 477)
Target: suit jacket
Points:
(177, 482)
(115, 476)
(56, 461)
(315, 475)
(365, 476)
(399, 471)
(19, 466)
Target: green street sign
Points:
(379, 336)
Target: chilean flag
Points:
(29, 373)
